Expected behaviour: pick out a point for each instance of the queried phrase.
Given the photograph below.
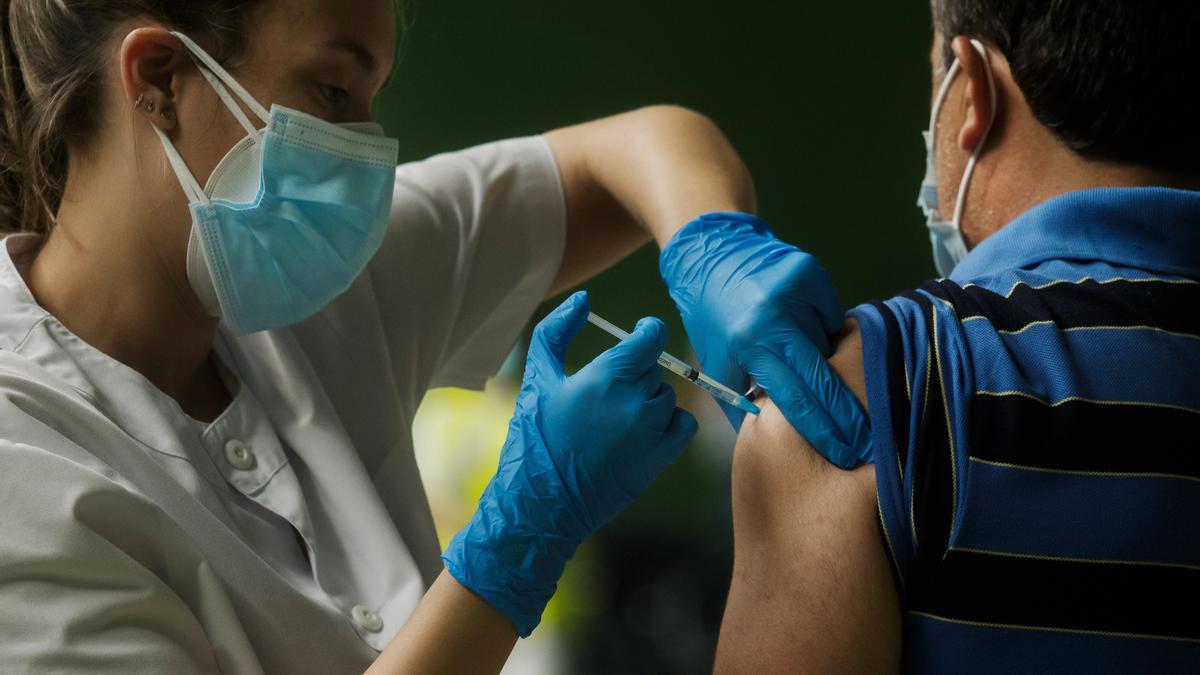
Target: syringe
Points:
(682, 369)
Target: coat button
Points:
(239, 455)
(365, 619)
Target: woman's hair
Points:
(52, 62)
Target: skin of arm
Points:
(452, 631)
(811, 589)
(638, 175)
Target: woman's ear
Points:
(151, 60)
(982, 94)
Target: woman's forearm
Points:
(452, 631)
(639, 175)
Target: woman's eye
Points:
(333, 95)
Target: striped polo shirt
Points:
(1036, 420)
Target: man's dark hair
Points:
(1113, 80)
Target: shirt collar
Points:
(1152, 228)
(19, 311)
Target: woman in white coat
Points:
(221, 304)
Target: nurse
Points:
(222, 304)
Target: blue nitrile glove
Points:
(756, 307)
(580, 449)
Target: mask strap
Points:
(211, 63)
(234, 108)
(943, 92)
(961, 201)
(186, 180)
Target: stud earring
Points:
(150, 107)
(167, 114)
(138, 102)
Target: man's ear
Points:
(151, 59)
(982, 96)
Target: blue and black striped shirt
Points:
(1036, 421)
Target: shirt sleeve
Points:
(93, 578)
(919, 384)
(475, 241)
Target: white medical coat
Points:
(135, 539)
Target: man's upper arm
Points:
(812, 590)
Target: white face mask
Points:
(236, 179)
(290, 216)
(949, 247)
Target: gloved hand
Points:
(580, 449)
(755, 307)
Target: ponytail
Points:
(17, 199)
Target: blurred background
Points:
(825, 101)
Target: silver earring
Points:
(138, 102)
(150, 107)
(167, 114)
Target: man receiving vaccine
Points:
(1030, 505)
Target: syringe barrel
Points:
(678, 367)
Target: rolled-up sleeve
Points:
(475, 241)
(918, 377)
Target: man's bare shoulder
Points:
(811, 590)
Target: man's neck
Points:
(1009, 184)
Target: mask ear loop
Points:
(216, 69)
(234, 108)
(186, 180)
(943, 92)
(928, 200)
(961, 201)
(218, 77)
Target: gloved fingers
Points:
(810, 324)
(660, 408)
(801, 405)
(820, 294)
(651, 381)
(638, 353)
(548, 348)
(680, 432)
(834, 396)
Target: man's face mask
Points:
(290, 216)
(949, 247)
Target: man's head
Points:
(1091, 93)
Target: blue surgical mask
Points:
(949, 247)
(290, 216)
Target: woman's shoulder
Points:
(32, 387)
(40, 413)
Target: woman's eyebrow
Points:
(358, 50)
(363, 55)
